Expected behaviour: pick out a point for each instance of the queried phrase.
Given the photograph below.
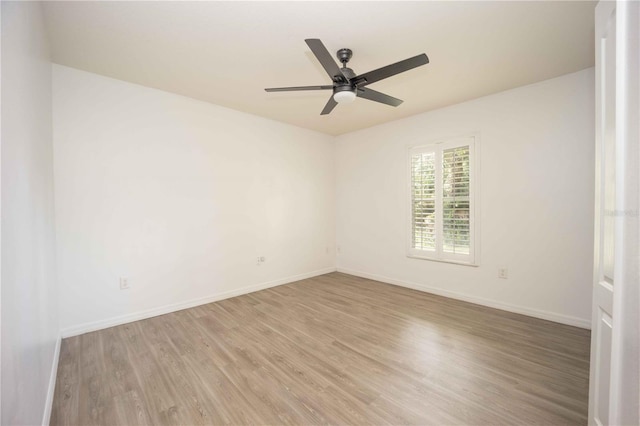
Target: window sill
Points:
(433, 259)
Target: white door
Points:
(604, 264)
(614, 378)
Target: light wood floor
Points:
(332, 349)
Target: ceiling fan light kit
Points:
(346, 84)
(344, 94)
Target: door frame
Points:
(624, 401)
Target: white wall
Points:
(29, 296)
(179, 196)
(536, 199)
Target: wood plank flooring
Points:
(332, 349)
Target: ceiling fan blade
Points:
(372, 95)
(390, 70)
(295, 88)
(325, 59)
(331, 104)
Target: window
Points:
(442, 184)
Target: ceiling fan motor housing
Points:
(348, 72)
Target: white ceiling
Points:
(228, 52)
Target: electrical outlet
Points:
(261, 260)
(125, 284)
(503, 273)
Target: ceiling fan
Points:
(346, 84)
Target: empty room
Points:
(354, 212)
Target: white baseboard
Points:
(140, 315)
(46, 418)
(546, 315)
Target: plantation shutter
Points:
(455, 200)
(442, 205)
(423, 200)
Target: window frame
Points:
(438, 147)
